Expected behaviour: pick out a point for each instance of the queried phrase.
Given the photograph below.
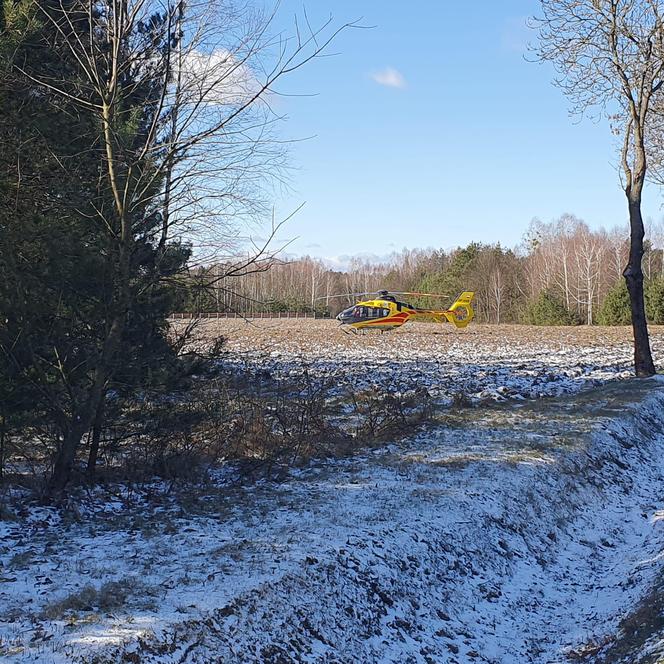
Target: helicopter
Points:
(386, 312)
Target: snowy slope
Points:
(511, 540)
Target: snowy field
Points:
(517, 529)
(481, 362)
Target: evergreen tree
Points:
(112, 137)
(455, 278)
(615, 309)
(549, 309)
(50, 267)
(654, 292)
(66, 281)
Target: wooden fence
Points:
(237, 314)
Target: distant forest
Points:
(563, 273)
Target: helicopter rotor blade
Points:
(378, 292)
(441, 295)
(326, 297)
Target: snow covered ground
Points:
(482, 362)
(516, 531)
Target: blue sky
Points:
(432, 129)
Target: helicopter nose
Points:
(345, 315)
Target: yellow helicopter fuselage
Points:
(386, 314)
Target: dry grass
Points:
(110, 596)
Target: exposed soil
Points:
(307, 335)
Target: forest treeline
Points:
(563, 273)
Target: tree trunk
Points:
(633, 273)
(83, 420)
(64, 461)
(3, 428)
(566, 278)
(96, 436)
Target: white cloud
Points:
(389, 77)
(218, 77)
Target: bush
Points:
(654, 293)
(548, 309)
(615, 309)
(111, 596)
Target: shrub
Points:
(654, 293)
(549, 309)
(111, 596)
(615, 309)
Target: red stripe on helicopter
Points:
(390, 319)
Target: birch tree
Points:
(588, 262)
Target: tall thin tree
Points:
(609, 56)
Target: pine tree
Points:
(655, 300)
(615, 309)
(548, 309)
(64, 277)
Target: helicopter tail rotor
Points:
(461, 312)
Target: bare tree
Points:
(566, 227)
(207, 73)
(618, 248)
(497, 290)
(609, 55)
(588, 262)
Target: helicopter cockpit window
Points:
(362, 312)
